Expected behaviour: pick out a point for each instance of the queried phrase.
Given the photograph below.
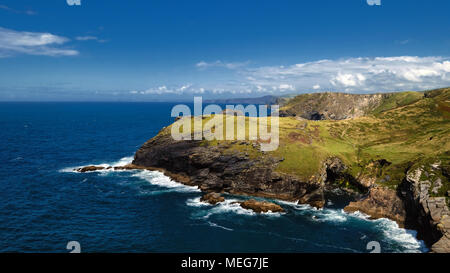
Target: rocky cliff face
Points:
(332, 106)
(214, 168)
(381, 203)
(427, 214)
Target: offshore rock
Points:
(212, 198)
(261, 206)
(90, 169)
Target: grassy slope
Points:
(404, 129)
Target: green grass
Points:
(397, 100)
(404, 129)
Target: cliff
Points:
(391, 152)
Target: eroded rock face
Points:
(261, 206)
(214, 168)
(443, 245)
(424, 212)
(332, 106)
(380, 203)
(217, 168)
(212, 198)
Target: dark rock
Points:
(443, 245)
(90, 169)
(261, 206)
(380, 203)
(212, 198)
(424, 213)
(212, 169)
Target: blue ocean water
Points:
(44, 204)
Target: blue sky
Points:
(138, 50)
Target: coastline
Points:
(294, 204)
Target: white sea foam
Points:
(122, 162)
(195, 202)
(404, 237)
(219, 226)
(289, 203)
(330, 215)
(228, 206)
(159, 179)
(358, 214)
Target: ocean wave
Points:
(159, 179)
(195, 202)
(330, 215)
(121, 162)
(404, 237)
(219, 226)
(228, 206)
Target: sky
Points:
(167, 50)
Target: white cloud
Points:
(348, 80)
(32, 43)
(228, 65)
(285, 87)
(163, 89)
(379, 74)
(358, 75)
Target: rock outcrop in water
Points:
(261, 206)
(212, 198)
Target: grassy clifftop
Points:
(395, 132)
(403, 129)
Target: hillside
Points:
(389, 152)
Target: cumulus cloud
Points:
(178, 90)
(357, 74)
(32, 43)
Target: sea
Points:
(44, 204)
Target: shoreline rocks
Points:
(212, 198)
(261, 206)
(91, 169)
(218, 169)
(380, 203)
